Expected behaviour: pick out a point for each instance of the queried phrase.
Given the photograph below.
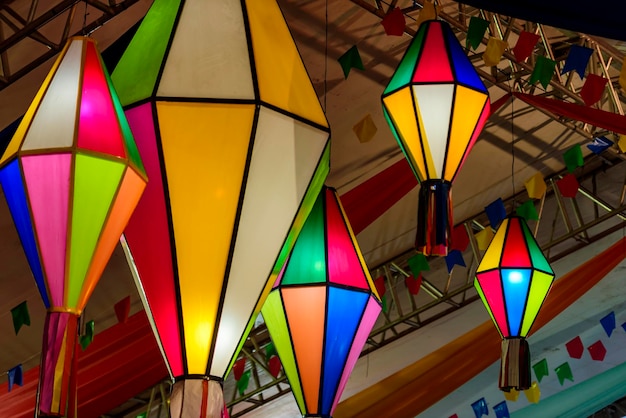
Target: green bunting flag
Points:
(476, 32)
(528, 211)
(20, 316)
(543, 71)
(242, 384)
(573, 158)
(541, 369)
(383, 299)
(87, 338)
(563, 372)
(418, 263)
(142, 415)
(270, 351)
(351, 59)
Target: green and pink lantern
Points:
(71, 176)
(322, 308)
(436, 106)
(513, 280)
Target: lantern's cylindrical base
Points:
(515, 365)
(57, 375)
(434, 217)
(202, 398)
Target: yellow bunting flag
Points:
(483, 238)
(533, 393)
(365, 129)
(535, 186)
(622, 75)
(621, 143)
(428, 12)
(494, 51)
(511, 395)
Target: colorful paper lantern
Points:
(232, 131)
(436, 106)
(513, 280)
(322, 308)
(72, 177)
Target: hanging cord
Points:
(512, 149)
(325, 54)
(85, 19)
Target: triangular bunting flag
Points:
(541, 369)
(593, 89)
(525, 45)
(573, 158)
(242, 384)
(599, 144)
(460, 239)
(543, 71)
(270, 350)
(122, 309)
(413, 284)
(20, 316)
(394, 22)
(564, 371)
(454, 258)
(608, 323)
(597, 351)
(274, 366)
(87, 338)
(480, 408)
(577, 59)
(365, 129)
(495, 212)
(429, 12)
(568, 185)
(351, 59)
(494, 51)
(536, 186)
(533, 394)
(501, 410)
(512, 395)
(621, 143)
(575, 348)
(15, 376)
(475, 32)
(528, 211)
(238, 368)
(418, 263)
(483, 238)
(380, 286)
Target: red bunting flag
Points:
(394, 22)
(568, 185)
(380, 286)
(122, 309)
(460, 239)
(597, 351)
(274, 366)
(593, 89)
(413, 284)
(525, 45)
(239, 367)
(575, 348)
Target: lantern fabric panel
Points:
(434, 64)
(135, 76)
(150, 222)
(15, 195)
(541, 283)
(60, 94)
(195, 47)
(490, 290)
(283, 81)
(47, 180)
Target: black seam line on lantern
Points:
(193, 376)
(251, 60)
(295, 116)
(446, 44)
(411, 84)
(320, 389)
(420, 137)
(305, 70)
(503, 296)
(327, 284)
(448, 135)
(233, 241)
(465, 153)
(166, 53)
(172, 238)
(523, 229)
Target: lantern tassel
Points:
(434, 217)
(515, 365)
(57, 378)
(197, 398)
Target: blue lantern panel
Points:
(515, 283)
(463, 69)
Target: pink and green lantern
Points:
(71, 176)
(436, 106)
(513, 280)
(322, 308)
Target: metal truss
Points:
(31, 32)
